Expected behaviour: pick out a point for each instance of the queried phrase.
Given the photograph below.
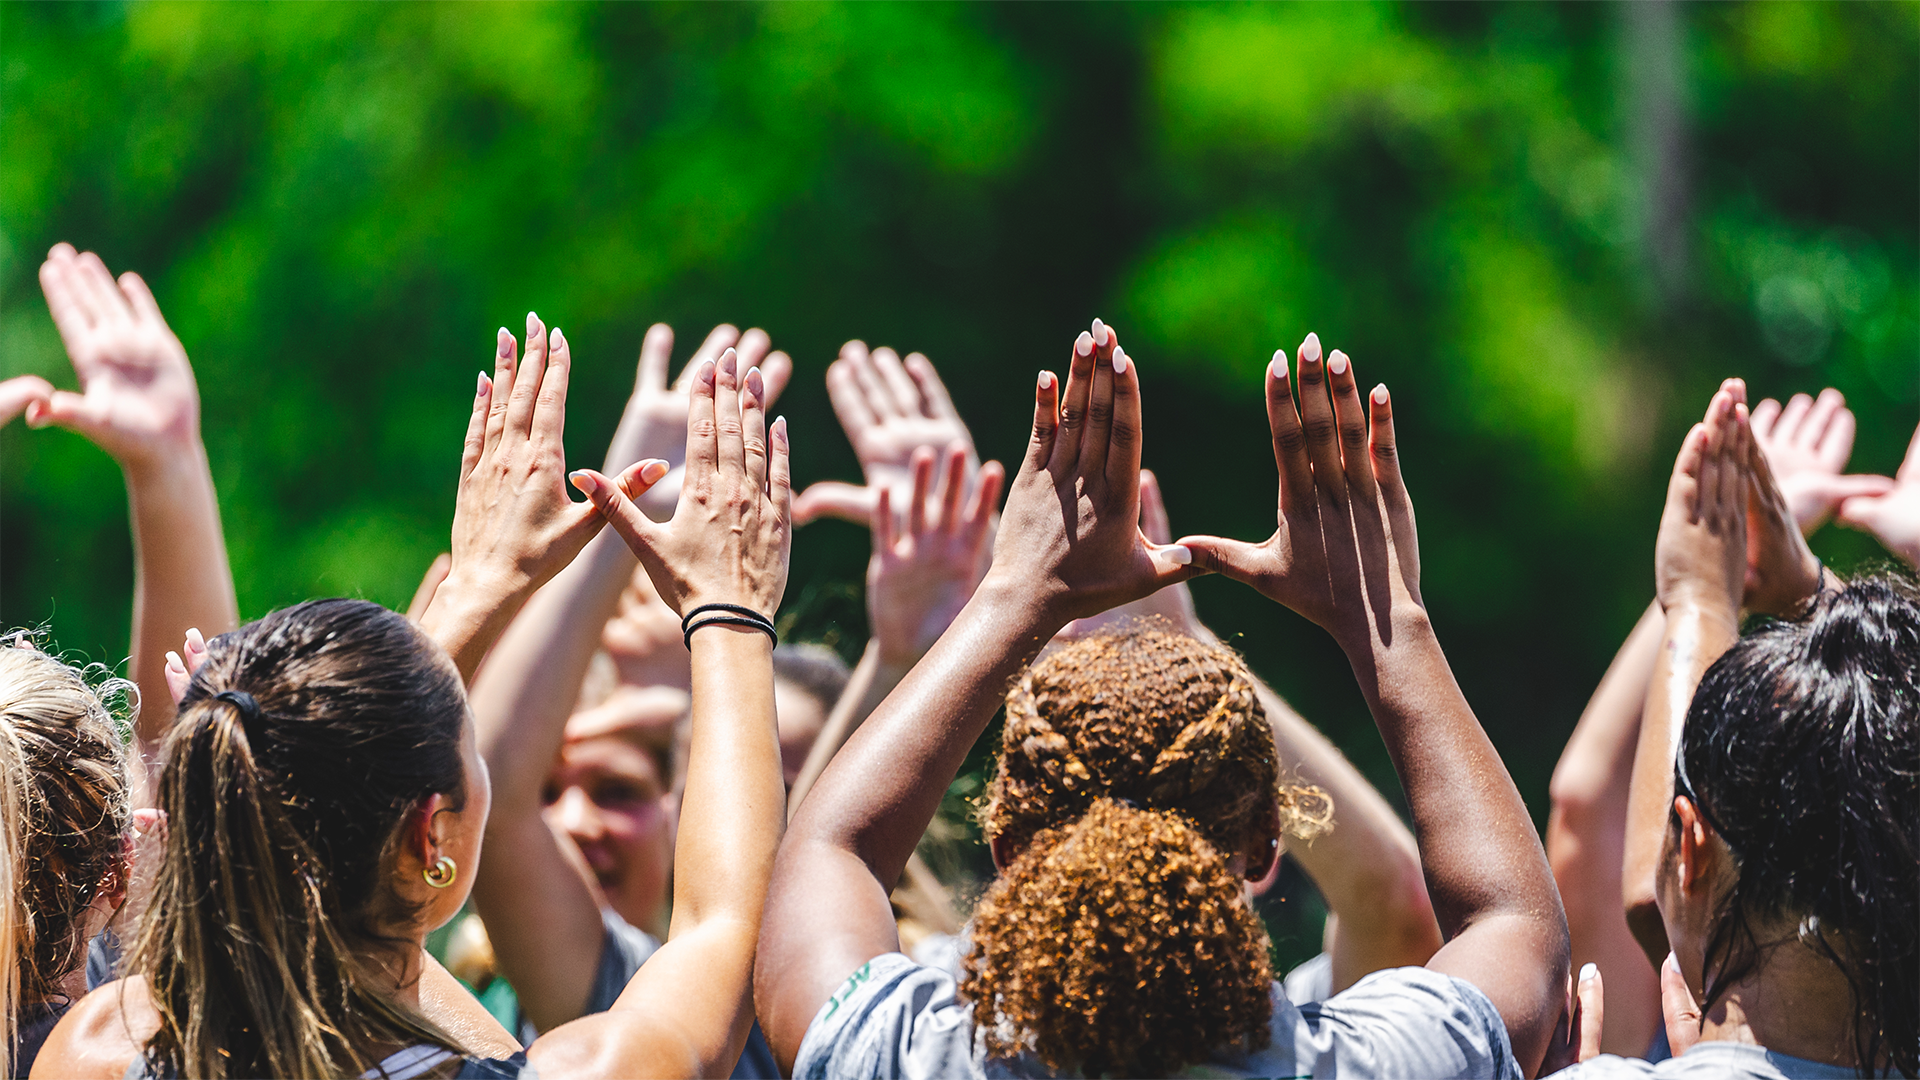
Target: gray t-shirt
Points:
(1709, 1061)
(896, 1018)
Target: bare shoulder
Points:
(102, 1035)
(447, 1002)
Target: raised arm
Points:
(688, 1010)
(1367, 867)
(541, 909)
(138, 402)
(1067, 547)
(1893, 517)
(1344, 555)
(514, 527)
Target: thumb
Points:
(18, 393)
(1589, 1012)
(1859, 512)
(834, 499)
(614, 501)
(1234, 559)
(1677, 1008)
(64, 408)
(1172, 563)
(1836, 488)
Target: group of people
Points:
(661, 842)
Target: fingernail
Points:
(754, 382)
(706, 373)
(503, 341)
(780, 429)
(582, 480)
(1337, 363)
(1672, 962)
(1100, 335)
(532, 322)
(1046, 380)
(1588, 971)
(1310, 348)
(1380, 394)
(194, 640)
(480, 387)
(1119, 362)
(653, 470)
(559, 339)
(1083, 345)
(1178, 554)
(174, 662)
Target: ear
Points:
(1262, 848)
(421, 836)
(1691, 850)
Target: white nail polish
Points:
(1338, 364)
(1179, 555)
(1119, 362)
(1588, 971)
(1380, 395)
(1083, 345)
(1310, 348)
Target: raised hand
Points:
(514, 525)
(889, 408)
(181, 665)
(923, 571)
(1173, 603)
(1069, 537)
(1344, 552)
(1807, 444)
(1893, 516)
(137, 399)
(19, 392)
(1700, 557)
(729, 536)
(654, 424)
(1782, 572)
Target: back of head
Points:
(1802, 751)
(1134, 766)
(302, 744)
(63, 819)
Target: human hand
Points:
(924, 570)
(1700, 557)
(137, 399)
(181, 665)
(1677, 1008)
(1069, 537)
(514, 526)
(1173, 603)
(889, 409)
(1807, 444)
(654, 424)
(729, 536)
(1345, 553)
(1782, 572)
(19, 392)
(1893, 516)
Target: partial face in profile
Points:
(611, 793)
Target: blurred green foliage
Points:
(337, 203)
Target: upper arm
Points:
(101, 1035)
(542, 918)
(826, 915)
(1527, 995)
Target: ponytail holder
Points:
(725, 615)
(249, 708)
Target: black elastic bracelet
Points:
(726, 615)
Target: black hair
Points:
(1801, 750)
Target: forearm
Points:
(1368, 867)
(522, 700)
(181, 576)
(1694, 638)
(734, 806)
(872, 680)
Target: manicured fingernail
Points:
(1178, 554)
(780, 430)
(1083, 345)
(1277, 367)
(706, 373)
(480, 386)
(503, 341)
(533, 323)
(653, 470)
(1588, 971)
(1100, 334)
(1310, 349)
(174, 662)
(1380, 394)
(1046, 380)
(1337, 363)
(1119, 361)
(194, 640)
(754, 382)
(583, 480)
(559, 339)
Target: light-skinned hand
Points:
(730, 533)
(1344, 553)
(1677, 1008)
(654, 423)
(1807, 444)
(1173, 603)
(1069, 537)
(1893, 517)
(1700, 557)
(181, 665)
(137, 398)
(890, 408)
(1577, 1036)
(1782, 571)
(19, 392)
(924, 569)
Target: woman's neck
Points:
(1794, 1002)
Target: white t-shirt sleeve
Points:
(891, 1018)
(1407, 1022)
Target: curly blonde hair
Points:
(1133, 766)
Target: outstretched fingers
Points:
(1046, 421)
(921, 465)
(718, 340)
(526, 381)
(1090, 350)
(1398, 506)
(506, 354)
(780, 474)
(1289, 438)
(475, 445)
(656, 349)
(1351, 417)
(703, 447)
(753, 429)
(934, 399)
(1318, 423)
(549, 423)
(953, 488)
(1126, 428)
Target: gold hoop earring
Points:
(441, 873)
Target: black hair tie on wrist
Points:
(725, 615)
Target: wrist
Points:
(1032, 607)
(169, 470)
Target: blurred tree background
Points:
(1552, 229)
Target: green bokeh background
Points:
(1551, 229)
